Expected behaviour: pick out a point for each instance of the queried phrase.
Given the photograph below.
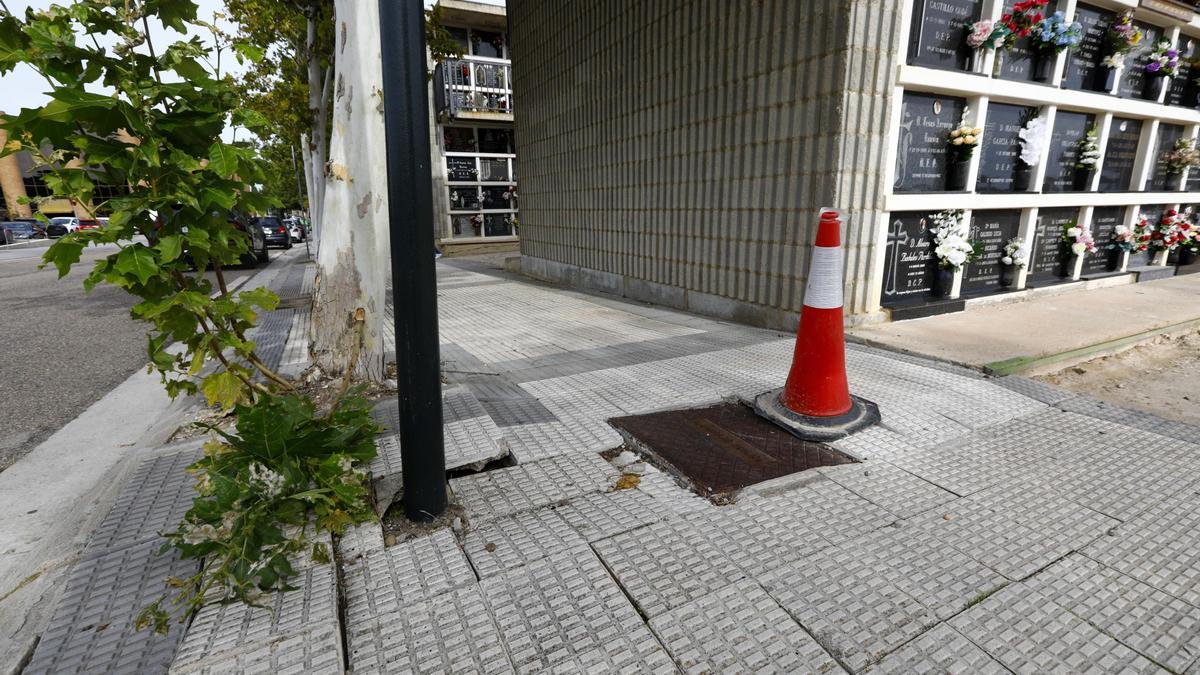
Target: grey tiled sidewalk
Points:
(991, 526)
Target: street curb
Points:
(1023, 364)
(875, 344)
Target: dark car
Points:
(275, 231)
(20, 230)
(258, 242)
(55, 230)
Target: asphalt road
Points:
(60, 349)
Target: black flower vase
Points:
(1186, 256)
(956, 175)
(1043, 65)
(1007, 272)
(1083, 179)
(1114, 259)
(1068, 265)
(943, 283)
(1171, 181)
(1022, 177)
(1104, 79)
(1154, 86)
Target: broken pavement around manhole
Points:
(991, 524)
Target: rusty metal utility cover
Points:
(723, 448)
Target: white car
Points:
(71, 224)
(296, 230)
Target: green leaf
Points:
(222, 389)
(248, 52)
(136, 260)
(169, 247)
(63, 253)
(223, 159)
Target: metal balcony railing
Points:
(469, 85)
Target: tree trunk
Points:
(353, 259)
(310, 190)
(319, 90)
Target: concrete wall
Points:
(677, 151)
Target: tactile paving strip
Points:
(154, 500)
(831, 510)
(220, 630)
(512, 541)
(739, 628)
(603, 514)
(566, 614)
(449, 633)
(517, 411)
(1132, 418)
(527, 486)
(1149, 621)
(761, 534)
(412, 570)
(667, 564)
(315, 652)
(940, 649)
(1026, 632)
(92, 626)
(359, 540)
(270, 337)
(853, 611)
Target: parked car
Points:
(21, 230)
(276, 233)
(88, 224)
(55, 230)
(65, 221)
(296, 230)
(258, 241)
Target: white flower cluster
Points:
(271, 482)
(1015, 253)
(1089, 150)
(950, 238)
(1033, 138)
(1080, 240)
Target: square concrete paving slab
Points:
(1159, 626)
(1044, 509)
(968, 465)
(675, 498)
(940, 649)
(510, 542)
(940, 577)
(889, 487)
(1039, 391)
(667, 564)
(739, 628)
(359, 540)
(449, 633)
(410, 571)
(1027, 633)
(829, 509)
(854, 612)
(315, 652)
(566, 614)
(1132, 418)
(528, 486)
(603, 514)
(874, 443)
(1161, 547)
(92, 628)
(221, 630)
(760, 535)
(154, 500)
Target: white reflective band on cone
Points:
(824, 288)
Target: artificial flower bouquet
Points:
(1169, 233)
(1121, 37)
(1016, 253)
(1023, 20)
(1089, 150)
(987, 34)
(1054, 35)
(1163, 60)
(1078, 240)
(1183, 156)
(951, 238)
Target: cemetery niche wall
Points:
(1100, 159)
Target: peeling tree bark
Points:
(353, 257)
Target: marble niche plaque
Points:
(993, 229)
(921, 156)
(1167, 135)
(1045, 260)
(1133, 76)
(1000, 148)
(1120, 153)
(1069, 130)
(909, 267)
(1152, 214)
(1082, 61)
(1104, 222)
(939, 34)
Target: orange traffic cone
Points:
(815, 403)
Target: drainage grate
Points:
(723, 448)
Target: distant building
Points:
(21, 178)
(474, 155)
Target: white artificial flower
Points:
(1006, 260)
(957, 257)
(1073, 231)
(1078, 248)
(1120, 229)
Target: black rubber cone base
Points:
(862, 414)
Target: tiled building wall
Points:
(677, 151)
